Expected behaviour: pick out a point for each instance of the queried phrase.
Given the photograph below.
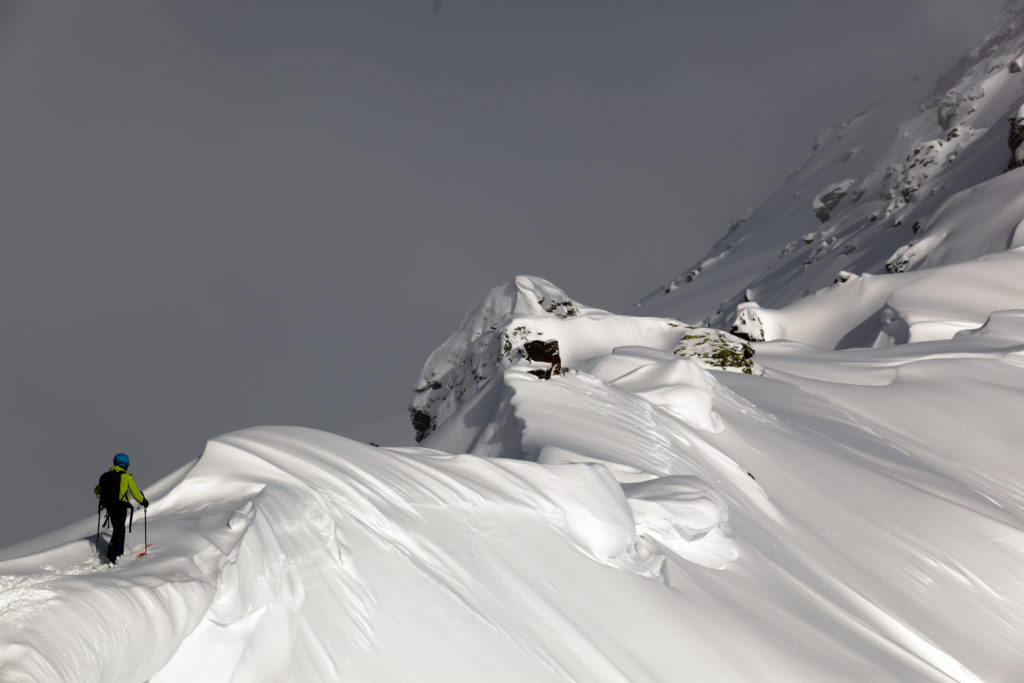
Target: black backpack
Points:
(110, 488)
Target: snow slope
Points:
(288, 554)
(915, 181)
(628, 541)
(856, 462)
(845, 505)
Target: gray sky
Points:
(221, 214)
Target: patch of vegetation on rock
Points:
(717, 350)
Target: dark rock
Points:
(843, 276)
(1015, 138)
(544, 352)
(829, 201)
(422, 422)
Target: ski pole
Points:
(145, 531)
(99, 509)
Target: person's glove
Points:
(145, 503)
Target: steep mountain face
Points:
(927, 177)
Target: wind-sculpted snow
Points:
(289, 554)
(298, 555)
(878, 310)
(788, 500)
(652, 521)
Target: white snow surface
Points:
(626, 539)
(854, 513)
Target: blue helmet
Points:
(121, 460)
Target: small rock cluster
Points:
(1016, 137)
(717, 350)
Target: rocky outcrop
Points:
(747, 324)
(717, 350)
(844, 276)
(926, 160)
(901, 260)
(540, 351)
(828, 199)
(422, 422)
(956, 104)
(491, 336)
(1016, 137)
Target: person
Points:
(113, 489)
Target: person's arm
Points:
(133, 487)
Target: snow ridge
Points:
(484, 340)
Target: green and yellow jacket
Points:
(127, 484)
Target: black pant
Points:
(117, 515)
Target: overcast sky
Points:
(222, 214)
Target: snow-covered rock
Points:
(828, 199)
(1015, 138)
(492, 335)
(716, 349)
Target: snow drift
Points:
(661, 521)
